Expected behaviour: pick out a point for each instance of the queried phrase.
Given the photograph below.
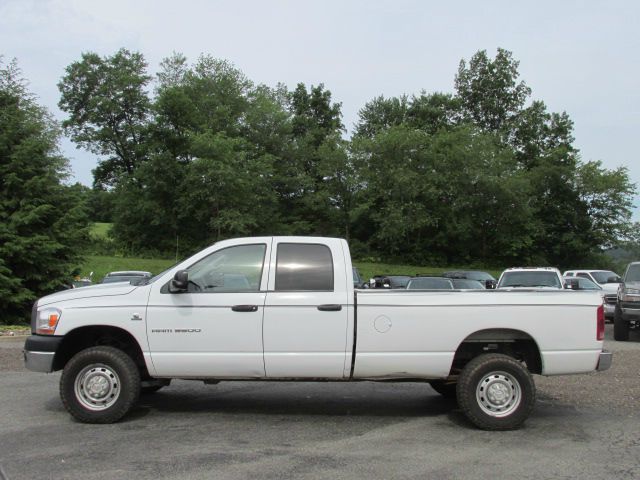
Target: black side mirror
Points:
(490, 284)
(180, 282)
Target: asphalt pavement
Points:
(583, 427)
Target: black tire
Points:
(447, 390)
(514, 393)
(620, 326)
(100, 385)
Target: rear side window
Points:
(304, 266)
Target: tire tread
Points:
(129, 380)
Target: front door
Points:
(215, 328)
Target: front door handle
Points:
(330, 307)
(245, 308)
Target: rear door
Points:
(306, 310)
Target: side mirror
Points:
(490, 284)
(180, 282)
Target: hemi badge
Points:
(136, 316)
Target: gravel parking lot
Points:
(584, 426)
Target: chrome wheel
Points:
(97, 387)
(498, 394)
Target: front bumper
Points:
(605, 360)
(630, 310)
(39, 352)
(609, 310)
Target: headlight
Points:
(632, 291)
(47, 321)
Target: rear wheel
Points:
(100, 385)
(496, 392)
(620, 326)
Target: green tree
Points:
(43, 222)
(108, 111)
(310, 162)
(489, 89)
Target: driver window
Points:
(233, 269)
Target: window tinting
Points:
(304, 266)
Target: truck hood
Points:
(610, 287)
(100, 290)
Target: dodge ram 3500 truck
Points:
(284, 308)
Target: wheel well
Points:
(515, 343)
(92, 336)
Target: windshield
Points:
(467, 284)
(529, 279)
(603, 277)
(585, 284)
(633, 273)
(427, 283)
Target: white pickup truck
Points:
(284, 308)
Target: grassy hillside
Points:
(100, 230)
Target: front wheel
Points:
(496, 392)
(100, 385)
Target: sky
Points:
(577, 56)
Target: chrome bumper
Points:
(604, 362)
(39, 361)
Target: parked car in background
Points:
(79, 281)
(126, 276)
(578, 283)
(627, 310)
(531, 277)
(606, 279)
(430, 283)
(484, 277)
(390, 281)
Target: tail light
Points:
(600, 323)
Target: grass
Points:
(100, 230)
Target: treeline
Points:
(202, 153)
(43, 220)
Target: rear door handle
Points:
(245, 308)
(330, 307)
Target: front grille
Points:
(611, 299)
